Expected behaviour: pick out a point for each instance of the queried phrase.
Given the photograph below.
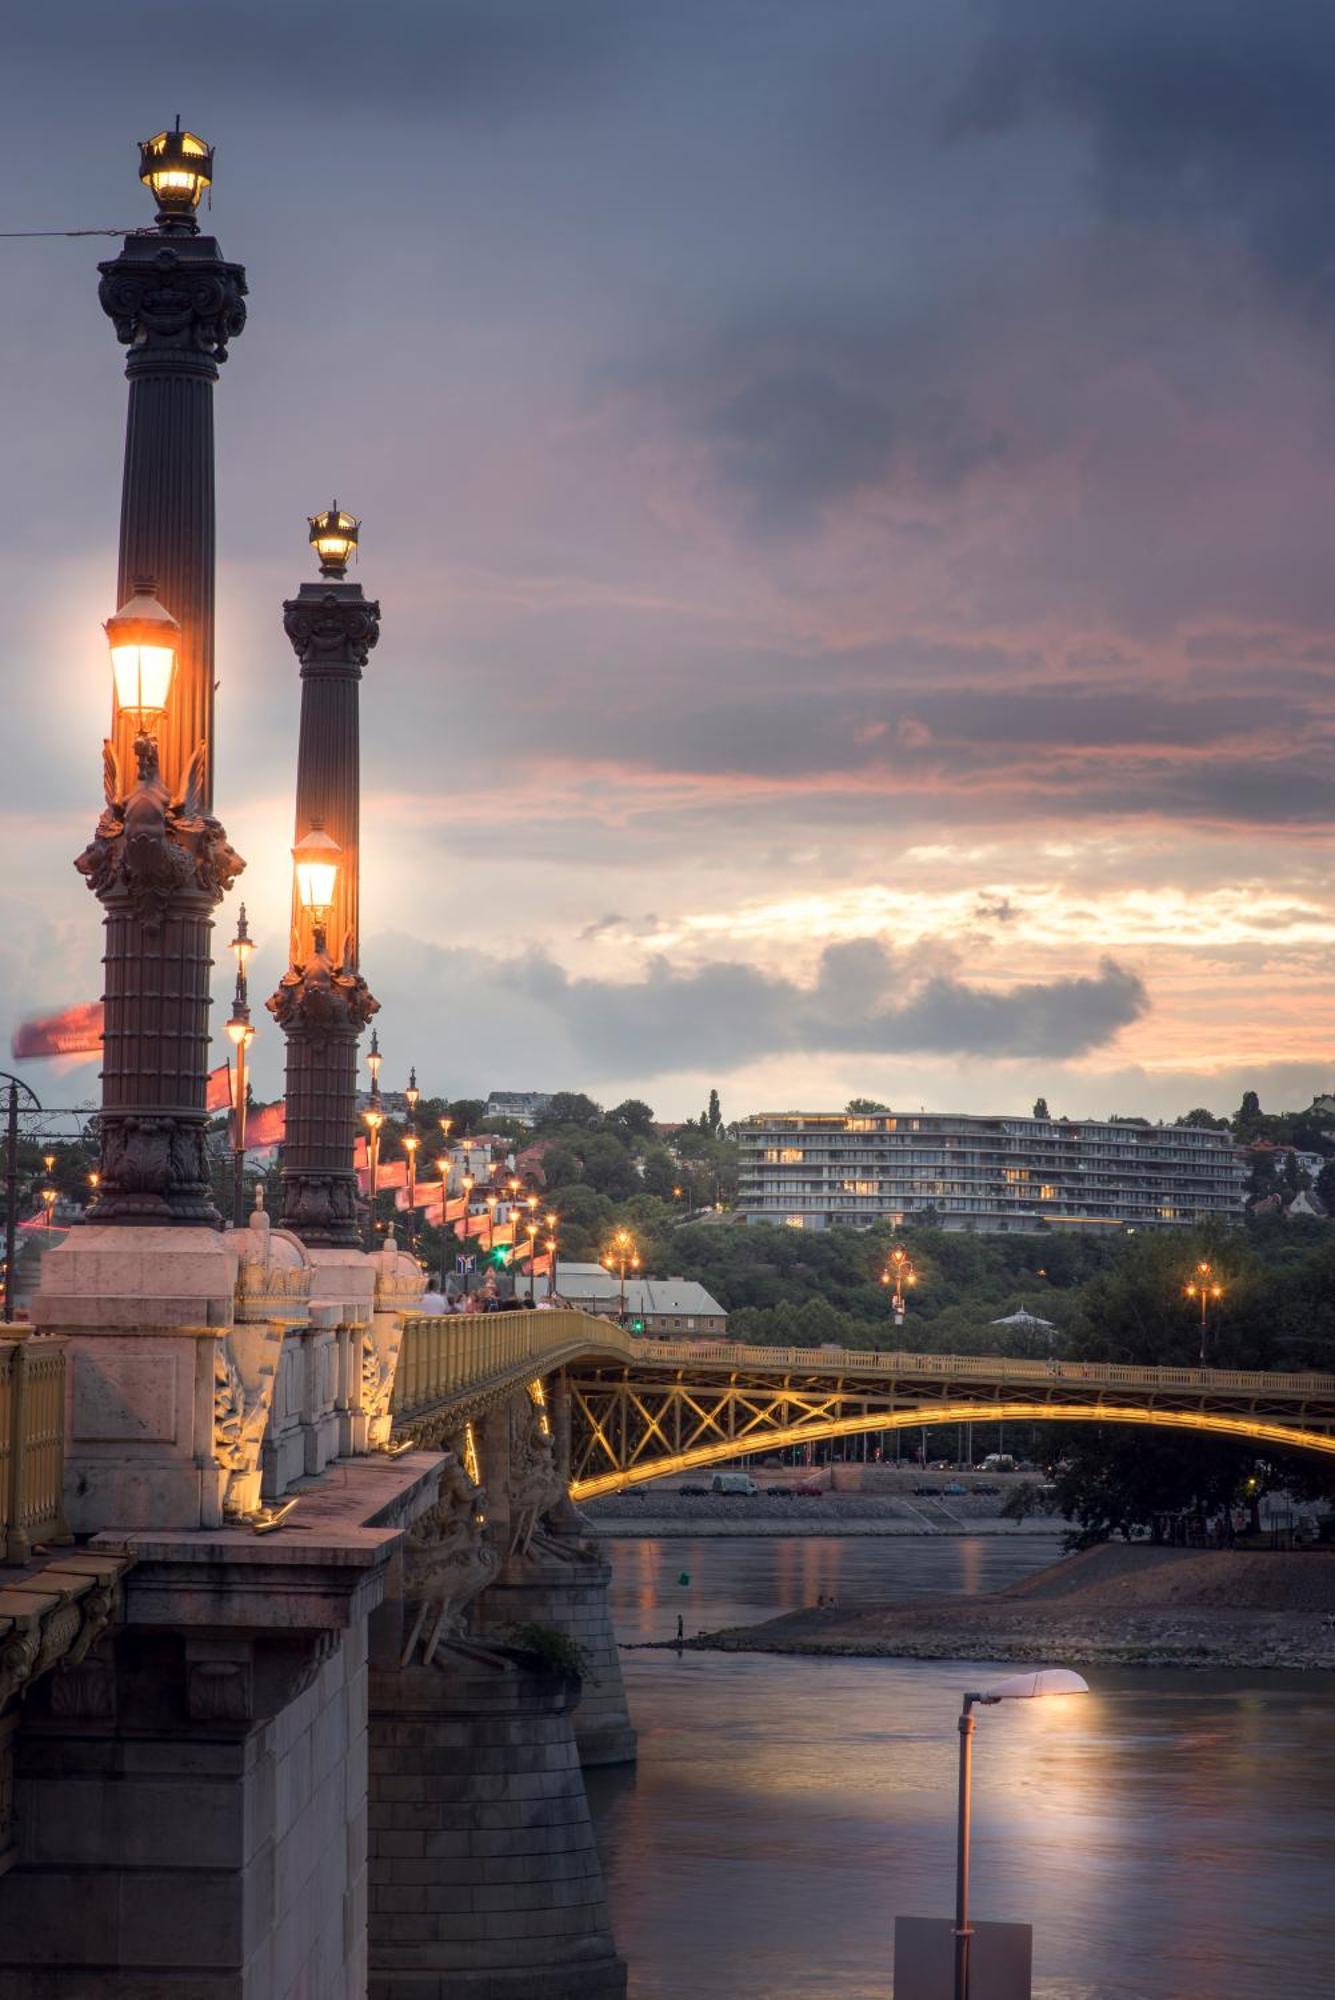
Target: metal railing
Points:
(32, 1444)
(445, 1358)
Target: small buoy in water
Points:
(685, 1577)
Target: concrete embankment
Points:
(1116, 1605)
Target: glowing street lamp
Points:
(177, 167)
(491, 1220)
(333, 536)
(622, 1256)
(49, 1201)
(1019, 1687)
(374, 1119)
(412, 1096)
(143, 640)
(1205, 1287)
(898, 1273)
(317, 856)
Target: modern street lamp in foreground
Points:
(622, 1256)
(1019, 1687)
(1205, 1287)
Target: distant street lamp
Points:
(491, 1221)
(241, 1034)
(1019, 1687)
(49, 1201)
(621, 1257)
(412, 1096)
(410, 1144)
(373, 1062)
(899, 1272)
(1205, 1287)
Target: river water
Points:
(1169, 1836)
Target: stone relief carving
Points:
(244, 1371)
(150, 847)
(537, 1481)
(274, 1274)
(447, 1563)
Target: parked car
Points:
(984, 1487)
(927, 1492)
(955, 1486)
(780, 1492)
(690, 1492)
(808, 1492)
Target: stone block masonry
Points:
(570, 1594)
(485, 1883)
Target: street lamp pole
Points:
(1205, 1287)
(322, 1002)
(241, 1034)
(1020, 1687)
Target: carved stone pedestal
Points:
(146, 1313)
(568, 1591)
(485, 1882)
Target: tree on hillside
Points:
(1041, 1108)
(572, 1107)
(633, 1116)
(1202, 1120)
(859, 1106)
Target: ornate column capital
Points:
(331, 625)
(174, 302)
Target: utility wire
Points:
(73, 232)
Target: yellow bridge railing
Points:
(32, 1444)
(446, 1359)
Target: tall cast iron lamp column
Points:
(323, 1003)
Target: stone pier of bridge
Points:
(288, 1706)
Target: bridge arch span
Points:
(700, 1457)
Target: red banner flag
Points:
(218, 1088)
(75, 1032)
(267, 1127)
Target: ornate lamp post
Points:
(175, 304)
(323, 1003)
(621, 1257)
(899, 1273)
(241, 1034)
(491, 1221)
(159, 863)
(1205, 1287)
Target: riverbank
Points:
(661, 1512)
(1116, 1605)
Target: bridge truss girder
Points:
(632, 1426)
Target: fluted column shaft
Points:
(175, 303)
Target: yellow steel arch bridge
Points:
(641, 1408)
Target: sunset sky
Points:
(851, 491)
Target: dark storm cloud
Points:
(462, 58)
(732, 1013)
(1209, 111)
